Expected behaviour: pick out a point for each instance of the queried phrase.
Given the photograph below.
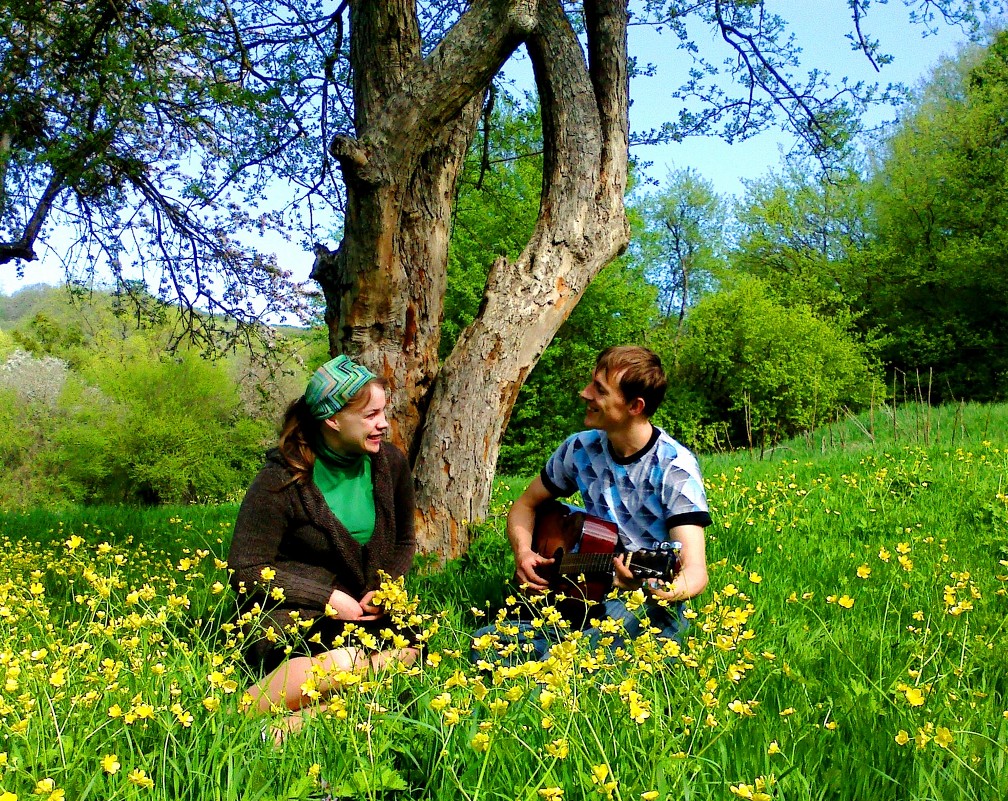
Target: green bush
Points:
(771, 370)
(161, 432)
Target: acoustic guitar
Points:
(582, 548)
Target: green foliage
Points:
(18, 305)
(15, 437)
(936, 272)
(772, 370)
(681, 240)
(496, 209)
(162, 432)
(99, 413)
(799, 230)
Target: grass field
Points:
(852, 645)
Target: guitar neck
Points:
(587, 563)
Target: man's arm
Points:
(520, 522)
(692, 578)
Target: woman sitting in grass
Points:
(328, 515)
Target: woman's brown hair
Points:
(297, 431)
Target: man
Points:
(630, 473)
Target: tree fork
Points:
(582, 226)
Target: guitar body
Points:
(582, 548)
(562, 531)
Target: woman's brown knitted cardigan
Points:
(290, 528)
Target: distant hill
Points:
(24, 303)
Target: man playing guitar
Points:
(630, 473)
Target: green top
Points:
(345, 483)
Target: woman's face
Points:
(357, 429)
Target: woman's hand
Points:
(368, 607)
(349, 608)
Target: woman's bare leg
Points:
(286, 686)
(303, 680)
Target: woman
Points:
(330, 511)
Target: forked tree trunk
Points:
(384, 286)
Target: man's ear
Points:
(636, 406)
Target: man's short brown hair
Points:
(641, 374)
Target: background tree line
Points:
(805, 299)
(94, 408)
(820, 291)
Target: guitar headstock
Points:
(658, 563)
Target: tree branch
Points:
(606, 22)
(746, 46)
(487, 116)
(863, 44)
(459, 68)
(24, 248)
(571, 125)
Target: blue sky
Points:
(819, 29)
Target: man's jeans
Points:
(522, 641)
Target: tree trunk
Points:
(384, 286)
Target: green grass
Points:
(851, 645)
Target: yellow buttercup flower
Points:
(140, 778)
(914, 696)
(943, 737)
(902, 737)
(558, 749)
(481, 742)
(110, 764)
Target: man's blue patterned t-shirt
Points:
(645, 495)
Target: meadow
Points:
(852, 644)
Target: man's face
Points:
(606, 408)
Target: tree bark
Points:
(384, 286)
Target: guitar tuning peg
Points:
(675, 547)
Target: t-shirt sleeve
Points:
(683, 493)
(558, 475)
